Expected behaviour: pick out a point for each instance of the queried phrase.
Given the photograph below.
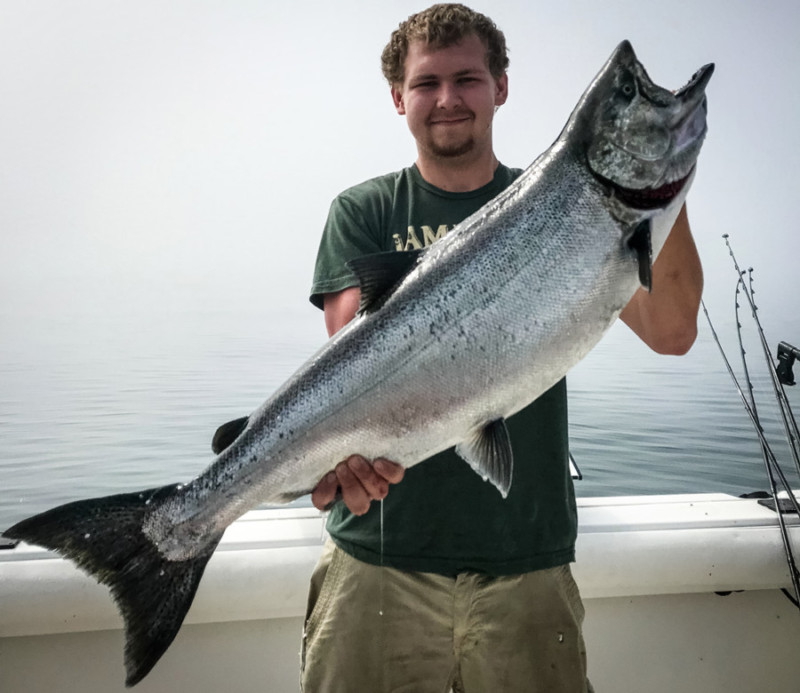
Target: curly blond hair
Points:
(442, 26)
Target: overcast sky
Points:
(191, 148)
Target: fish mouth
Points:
(698, 80)
(649, 198)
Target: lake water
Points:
(93, 403)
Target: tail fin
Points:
(104, 537)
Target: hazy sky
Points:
(185, 152)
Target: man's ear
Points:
(501, 93)
(397, 97)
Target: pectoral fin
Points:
(379, 274)
(640, 241)
(489, 453)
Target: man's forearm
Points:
(666, 318)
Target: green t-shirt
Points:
(443, 518)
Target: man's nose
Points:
(449, 95)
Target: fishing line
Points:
(380, 609)
(382, 623)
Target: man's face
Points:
(448, 97)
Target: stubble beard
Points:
(452, 151)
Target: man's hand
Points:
(360, 482)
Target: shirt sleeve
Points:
(346, 236)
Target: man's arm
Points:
(340, 308)
(666, 318)
(360, 481)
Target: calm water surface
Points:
(95, 404)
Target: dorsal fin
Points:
(379, 274)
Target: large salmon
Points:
(515, 296)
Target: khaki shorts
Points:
(380, 630)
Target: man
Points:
(445, 584)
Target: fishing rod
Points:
(789, 422)
(781, 375)
(770, 460)
(772, 466)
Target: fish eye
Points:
(627, 89)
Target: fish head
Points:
(639, 140)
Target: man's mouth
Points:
(451, 121)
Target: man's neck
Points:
(455, 175)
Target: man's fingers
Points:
(322, 496)
(354, 494)
(391, 471)
(375, 486)
(360, 481)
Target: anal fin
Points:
(489, 453)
